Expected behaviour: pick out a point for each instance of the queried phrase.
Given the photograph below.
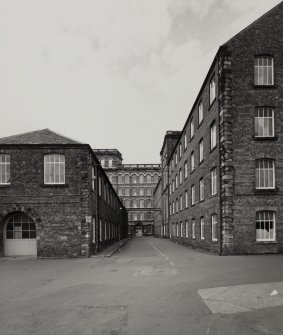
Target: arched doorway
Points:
(19, 236)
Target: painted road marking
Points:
(242, 298)
(160, 253)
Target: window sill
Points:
(264, 86)
(266, 191)
(199, 164)
(5, 185)
(54, 185)
(266, 242)
(193, 205)
(200, 123)
(201, 201)
(213, 195)
(192, 171)
(271, 138)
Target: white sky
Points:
(111, 73)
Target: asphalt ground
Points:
(151, 286)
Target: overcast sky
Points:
(111, 73)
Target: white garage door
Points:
(20, 236)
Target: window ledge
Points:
(201, 201)
(54, 185)
(270, 138)
(264, 86)
(213, 149)
(191, 172)
(5, 185)
(266, 242)
(266, 191)
(200, 162)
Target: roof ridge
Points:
(59, 134)
(254, 22)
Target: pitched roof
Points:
(44, 136)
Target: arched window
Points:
(148, 178)
(155, 178)
(20, 226)
(120, 179)
(141, 178)
(134, 179)
(127, 179)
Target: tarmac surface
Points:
(150, 286)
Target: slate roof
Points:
(44, 136)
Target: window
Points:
(99, 186)
(176, 182)
(148, 203)
(200, 112)
(54, 169)
(127, 179)
(192, 161)
(127, 203)
(20, 226)
(148, 178)
(177, 229)
(192, 128)
(201, 150)
(213, 181)
(213, 227)
(202, 228)
(110, 177)
(186, 199)
(180, 176)
(142, 191)
(181, 229)
(265, 226)
(173, 186)
(180, 150)
(170, 209)
(185, 141)
(134, 191)
(177, 206)
(265, 174)
(141, 203)
(186, 169)
(201, 189)
(120, 179)
(212, 93)
(134, 179)
(193, 228)
(181, 203)
(93, 229)
(120, 191)
(100, 230)
(106, 163)
(264, 122)
(193, 194)
(213, 135)
(135, 204)
(155, 178)
(4, 169)
(173, 207)
(102, 162)
(176, 158)
(127, 190)
(263, 70)
(110, 163)
(187, 229)
(141, 178)
(142, 216)
(148, 191)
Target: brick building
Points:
(157, 199)
(55, 200)
(226, 169)
(134, 184)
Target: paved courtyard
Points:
(152, 286)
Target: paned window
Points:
(201, 150)
(186, 169)
(213, 227)
(264, 122)
(263, 70)
(4, 169)
(193, 194)
(141, 178)
(192, 128)
(127, 179)
(20, 226)
(212, 90)
(148, 178)
(185, 141)
(134, 179)
(54, 169)
(201, 189)
(213, 135)
(186, 199)
(213, 181)
(180, 176)
(265, 226)
(187, 229)
(202, 228)
(120, 179)
(193, 228)
(181, 229)
(192, 161)
(200, 112)
(265, 174)
(181, 203)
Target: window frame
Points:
(201, 189)
(200, 112)
(202, 226)
(263, 68)
(212, 89)
(214, 237)
(56, 165)
(201, 152)
(263, 222)
(258, 177)
(213, 179)
(213, 135)
(5, 169)
(193, 195)
(257, 122)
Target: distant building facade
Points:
(134, 184)
(225, 171)
(157, 199)
(55, 199)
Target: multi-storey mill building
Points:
(134, 184)
(226, 168)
